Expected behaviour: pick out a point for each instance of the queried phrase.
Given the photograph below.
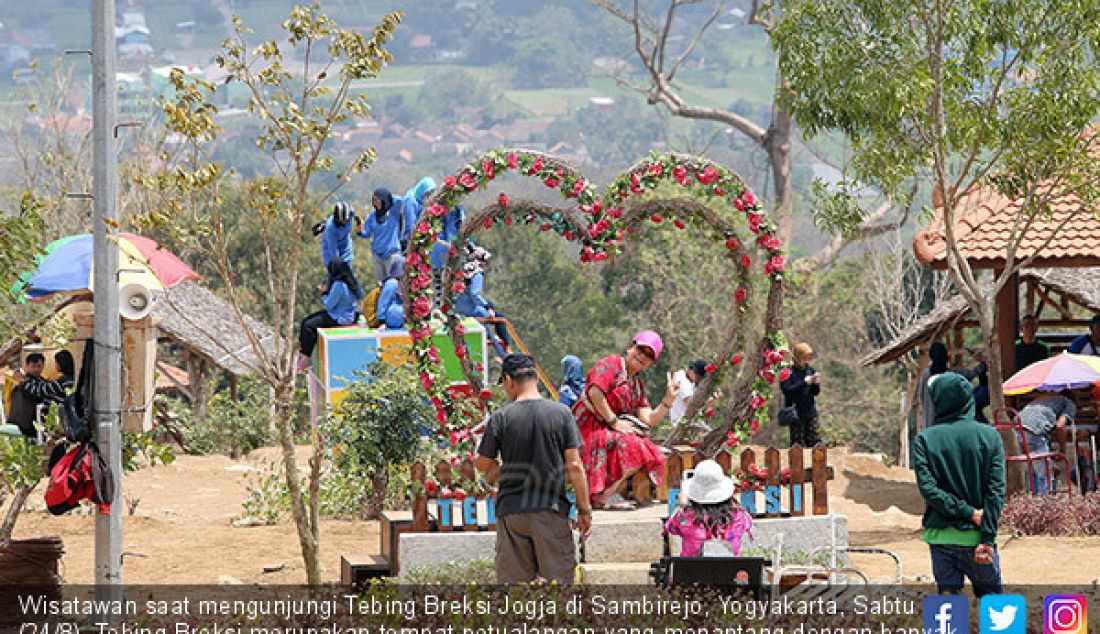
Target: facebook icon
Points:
(946, 615)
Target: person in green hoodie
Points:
(960, 469)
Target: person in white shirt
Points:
(688, 378)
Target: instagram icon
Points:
(1065, 614)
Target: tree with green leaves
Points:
(300, 110)
(969, 97)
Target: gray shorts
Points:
(535, 544)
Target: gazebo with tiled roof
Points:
(986, 223)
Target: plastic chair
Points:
(1006, 418)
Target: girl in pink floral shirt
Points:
(712, 513)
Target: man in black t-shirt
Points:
(537, 441)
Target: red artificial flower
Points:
(746, 261)
(458, 287)
(460, 329)
(680, 173)
(536, 167)
(740, 295)
(749, 199)
(568, 235)
(427, 381)
(768, 376)
(449, 182)
(732, 243)
(784, 374)
(738, 204)
(437, 210)
(737, 358)
(709, 413)
(679, 223)
(487, 223)
(467, 180)
(460, 494)
(544, 227)
(599, 257)
(617, 213)
(507, 222)
(479, 367)
(732, 440)
(597, 207)
(754, 426)
(441, 416)
(711, 368)
(433, 354)
(778, 264)
(413, 259)
(754, 222)
(485, 394)
(656, 169)
(512, 160)
(578, 189)
(460, 352)
(757, 401)
(422, 307)
(430, 488)
(656, 218)
(489, 169)
(708, 175)
(424, 227)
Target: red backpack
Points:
(78, 474)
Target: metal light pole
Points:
(108, 333)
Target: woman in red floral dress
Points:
(615, 449)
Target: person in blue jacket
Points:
(341, 297)
(336, 235)
(383, 227)
(472, 303)
(572, 381)
(452, 224)
(413, 207)
(391, 305)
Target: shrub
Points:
(479, 571)
(376, 425)
(233, 427)
(1052, 515)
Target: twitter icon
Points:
(1002, 614)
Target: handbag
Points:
(787, 416)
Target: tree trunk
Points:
(1015, 478)
(906, 410)
(307, 530)
(374, 501)
(17, 502)
(778, 146)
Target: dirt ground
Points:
(183, 532)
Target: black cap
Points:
(699, 367)
(518, 365)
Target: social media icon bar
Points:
(1002, 614)
(946, 615)
(1065, 614)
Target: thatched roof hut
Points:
(206, 325)
(1050, 294)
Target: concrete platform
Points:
(628, 537)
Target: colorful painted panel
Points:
(343, 351)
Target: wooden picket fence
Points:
(478, 513)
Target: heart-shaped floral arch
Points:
(599, 224)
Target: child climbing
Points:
(712, 522)
(472, 303)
